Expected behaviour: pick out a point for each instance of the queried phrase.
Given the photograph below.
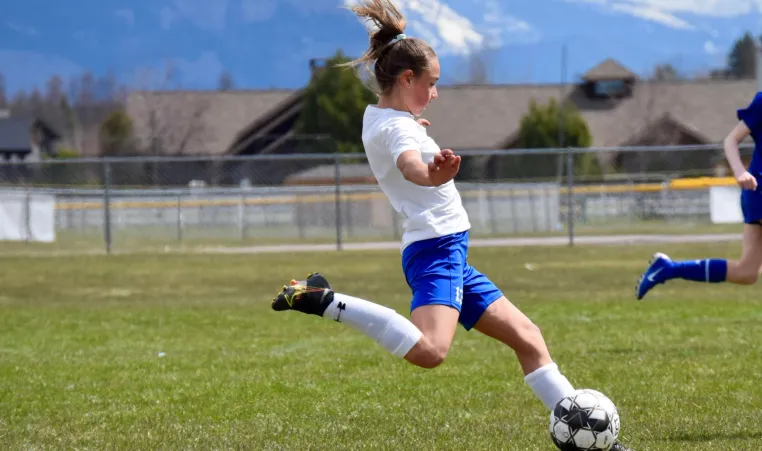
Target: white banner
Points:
(725, 204)
(27, 217)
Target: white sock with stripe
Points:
(382, 324)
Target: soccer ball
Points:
(584, 420)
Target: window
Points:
(609, 88)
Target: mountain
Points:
(268, 43)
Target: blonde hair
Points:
(390, 52)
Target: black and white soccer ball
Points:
(584, 420)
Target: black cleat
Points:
(310, 296)
(619, 447)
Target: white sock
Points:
(385, 326)
(549, 384)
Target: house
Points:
(620, 109)
(25, 138)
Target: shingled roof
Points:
(16, 132)
(479, 117)
(485, 117)
(217, 117)
(608, 69)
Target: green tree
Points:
(115, 134)
(742, 58)
(335, 100)
(64, 153)
(539, 128)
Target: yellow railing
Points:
(677, 184)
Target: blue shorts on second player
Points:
(437, 272)
(751, 205)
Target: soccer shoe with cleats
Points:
(619, 447)
(654, 274)
(311, 296)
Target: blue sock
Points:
(711, 270)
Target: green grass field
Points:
(81, 337)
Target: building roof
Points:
(485, 117)
(475, 117)
(708, 107)
(214, 118)
(608, 69)
(15, 133)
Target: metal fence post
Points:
(337, 181)
(491, 208)
(179, 218)
(107, 205)
(514, 214)
(570, 194)
(242, 216)
(27, 213)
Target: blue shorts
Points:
(437, 272)
(751, 206)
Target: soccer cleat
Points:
(310, 296)
(654, 275)
(619, 447)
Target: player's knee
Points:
(433, 360)
(427, 355)
(433, 357)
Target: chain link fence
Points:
(228, 203)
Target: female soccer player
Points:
(417, 177)
(746, 270)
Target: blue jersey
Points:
(751, 201)
(752, 117)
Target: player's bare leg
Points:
(507, 324)
(746, 270)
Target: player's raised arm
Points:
(733, 155)
(440, 171)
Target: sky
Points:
(267, 44)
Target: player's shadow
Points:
(714, 436)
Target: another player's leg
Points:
(714, 270)
(746, 270)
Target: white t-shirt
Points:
(429, 211)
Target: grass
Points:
(81, 337)
(126, 238)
